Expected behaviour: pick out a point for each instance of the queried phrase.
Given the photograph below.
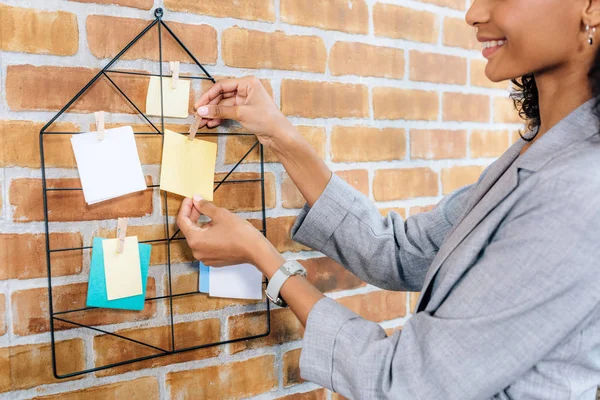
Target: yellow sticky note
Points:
(188, 166)
(122, 270)
(175, 102)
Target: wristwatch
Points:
(289, 268)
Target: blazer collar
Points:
(578, 125)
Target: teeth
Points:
(493, 43)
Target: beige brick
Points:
(261, 10)
(141, 388)
(56, 86)
(107, 36)
(319, 394)
(291, 368)
(385, 211)
(357, 178)
(2, 315)
(406, 183)
(459, 176)
(28, 30)
(339, 15)
(426, 67)
(414, 297)
(30, 309)
(237, 146)
(69, 205)
(362, 143)
(456, 4)
(352, 58)
(142, 4)
(110, 349)
(234, 380)
(437, 144)
(485, 143)
(245, 48)
(405, 23)
(419, 209)
(465, 107)
(478, 77)
(324, 99)
(457, 33)
(285, 327)
(30, 365)
(396, 103)
(505, 111)
(23, 256)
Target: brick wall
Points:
(392, 96)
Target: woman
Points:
(508, 267)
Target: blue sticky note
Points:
(204, 271)
(96, 294)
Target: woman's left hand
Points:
(226, 240)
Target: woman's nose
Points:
(478, 13)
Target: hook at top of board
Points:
(158, 13)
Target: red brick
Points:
(405, 183)
(466, 107)
(405, 23)
(56, 86)
(236, 196)
(285, 327)
(353, 58)
(291, 368)
(329, 276)
(324, 99)
(235, 380)
(339, 15)
(30, 309)
(237, 146)
(419, 209)
(198, 302)
(23, 256)
(110, 349)
(362, 143)
(319, 394)
(27, 30)
(2, 315)
(459, 176)
(378, 306)
(107, 36)
(142, 4)
(414, 297)
(30, 365)
(69, 205)
(426, 67)
(262, 10)
(385, 211)
(437, 144)
(396, 103)
(141, 388)
(456, 4)
(245, 48)
(357, 178)
(278, 233)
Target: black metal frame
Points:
(158, 13)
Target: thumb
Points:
(205, 207)
(218, 111)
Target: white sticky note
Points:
(176, 101)
(110, 167)
(241, 281)
(123, 271)
(188, 166)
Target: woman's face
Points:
(540, 35)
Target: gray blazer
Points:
(509, 274)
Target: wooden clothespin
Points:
(194, 127)
(99, 116)
(174, 67)
(121, 231)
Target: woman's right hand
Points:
(244, 100)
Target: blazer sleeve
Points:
(535, 283)
(389, 252)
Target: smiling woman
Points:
(507, 267)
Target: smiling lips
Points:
(490, 46)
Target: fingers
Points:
(205, 207)
(183, 217)
(227, 87)
(218, 111)
(227, 102)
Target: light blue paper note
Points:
(96, 294)
(203, 277)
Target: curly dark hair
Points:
(526, 101)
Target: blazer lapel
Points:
(579, 125)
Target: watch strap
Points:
(289, 268)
